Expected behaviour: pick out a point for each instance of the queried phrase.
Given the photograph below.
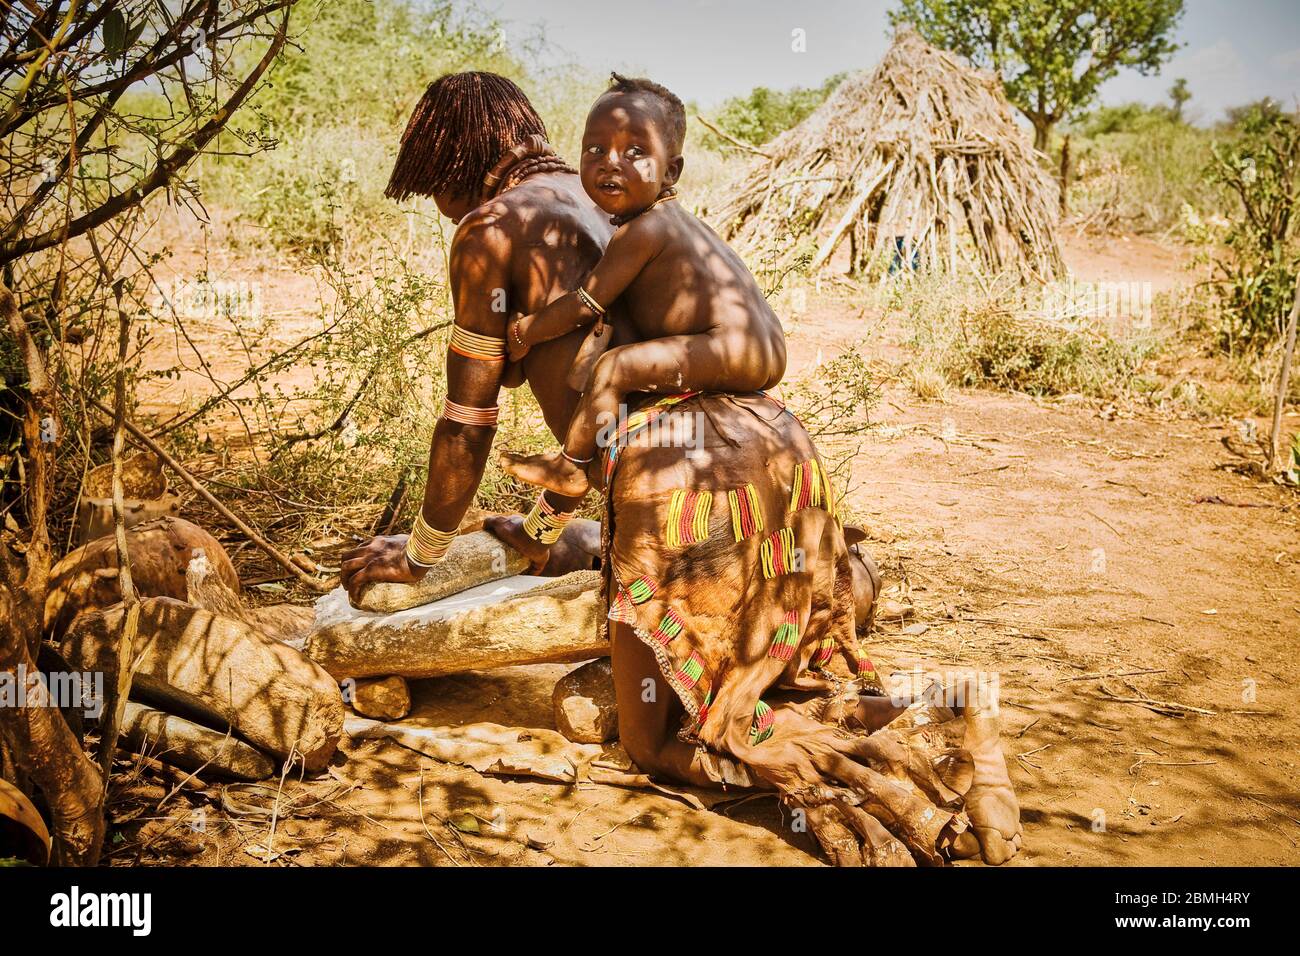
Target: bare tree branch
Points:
(162, 172)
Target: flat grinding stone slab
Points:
(521, 619)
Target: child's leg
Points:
(677, 363)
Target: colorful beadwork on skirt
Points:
(822, 656)
(703, 715)
(786, 638)
(688, 517)
(691, 671)
(621, 609)
(746, 512)
(831, 505)
(664, 592)
(669, 627)
(806, 492)
(642, 590)
(764, 721)
(777, 553)
(633, 424)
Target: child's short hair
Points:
(618, 83)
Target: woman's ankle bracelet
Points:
(544, 524)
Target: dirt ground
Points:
(1138, 605)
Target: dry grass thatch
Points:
(917, 163)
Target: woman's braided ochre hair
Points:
(457, 133)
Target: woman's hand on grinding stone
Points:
(382, 558)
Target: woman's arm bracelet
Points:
(427, 545)
(472, 345)
(468, 415)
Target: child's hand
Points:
(517, 338)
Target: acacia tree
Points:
(103, 103)
(1052, 55)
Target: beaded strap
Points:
(467, 415)
(544, 524)
(475, 346)
(427, 545)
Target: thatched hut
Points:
(918, 164)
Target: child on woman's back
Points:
(706, 323)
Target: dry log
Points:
(518, 620)
(284, 622)
(190, 746)
(221, 672)
(87, 580)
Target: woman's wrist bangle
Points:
(585, 297)
(427, 545)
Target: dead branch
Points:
(115, 704)
(313, 583)
(37, 736)
(163, 170)
(740, 143)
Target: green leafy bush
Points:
(335, 110)
(765, 113)
(1260, 170)
(1000, 337)
(1135, 167)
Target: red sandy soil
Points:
(1092, 563)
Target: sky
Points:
(1233, 51)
